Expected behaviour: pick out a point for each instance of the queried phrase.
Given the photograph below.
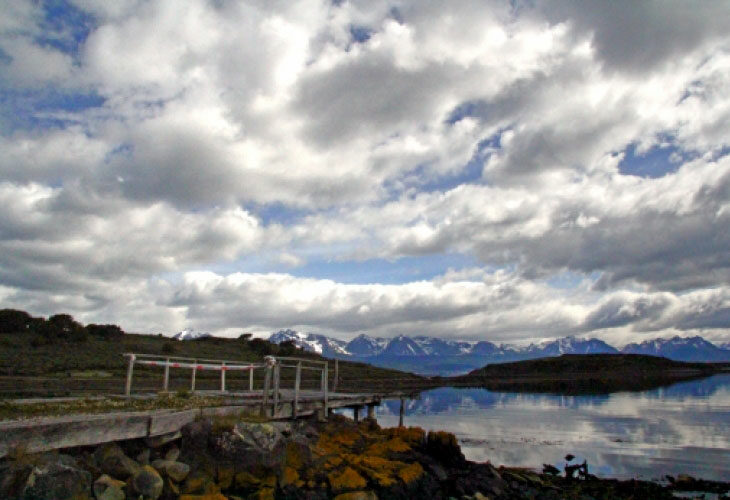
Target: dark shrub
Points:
(15, 321)
(104, 331)
(262, 347)
(63, 326)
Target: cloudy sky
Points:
(506, 170)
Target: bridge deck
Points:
(49, 433)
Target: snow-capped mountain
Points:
(363, 345)
(321, 344)
(680, 349)
(433, 346)
(569, 345)
(403, 346)
(190, 334)
(435, 356)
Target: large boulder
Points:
(177, 471)
(248, 444)
(48, 477)
(147, 483)
(108, 488)
(111, 460)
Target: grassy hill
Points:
(585, 373)
(91, 365)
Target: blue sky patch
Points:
(656, 162)
(65, 27)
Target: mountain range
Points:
(435, 356)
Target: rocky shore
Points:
(232, 459)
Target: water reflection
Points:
(682, 428)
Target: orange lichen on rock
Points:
(411, 473)
(289, 476)
(348, 479)
(247, 480)
(357, 495)
(414, 436)
(384, 448)
(294, 456)
(263, 494)
(332, 462)
(225, 476)
(207, 496)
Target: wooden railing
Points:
(272, 375)
(194, 364)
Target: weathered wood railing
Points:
(194, 364)
(271, 392)
(300, 364)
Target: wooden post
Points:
(250, 379)
(402, 411)
(356, 414)
(130, 368)
(277, 376)
(192, 382)
(223, 376)
(297, 383)
(371, 412)
(325, 383)
(337, 375)
(267, 384)
(167, 375)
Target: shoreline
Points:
(235, 458)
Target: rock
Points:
(207, 496)
(444, 447)
(248, 444)
(357, 495)
(111, 460)
(411, 473)
(144, 457)
(198, 483)
(56, 478)
(173, 454)
(260, 436)
(177, 471)
(108, 488)
(147, 482)
(288, 476)
(225, 475)
(263, 494)
(162, 439)
(348, 479)
(247, 481)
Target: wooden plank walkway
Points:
(49, 433)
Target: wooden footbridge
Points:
(271, 401)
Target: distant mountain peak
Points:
(190, 334)
(680, 349)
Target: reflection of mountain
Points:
(696, 388)
(450, 400)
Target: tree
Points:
(245, 337)
(104, 331)
(63, 326)
(261, 347)
(15, 321)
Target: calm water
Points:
(683, 428)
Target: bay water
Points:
(679, 429)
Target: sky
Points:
(479, 170)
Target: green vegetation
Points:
(66, 358)
(584, 374)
